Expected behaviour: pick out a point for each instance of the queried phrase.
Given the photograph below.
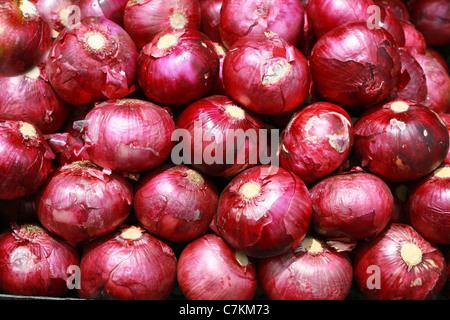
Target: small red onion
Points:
(80, 202)
(313, 271)
(264, 211)
(399, 264)
(33, 262)
(209, 269)
(210, 11)
(129, 264)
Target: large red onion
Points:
(428, 206)
(351, 206)
(399, 264)
(316, 141)
(178, 67)
(24, 36)
(175, 202)
(219, 137)
(239, 18)
(354, 66)
(264, 211)
(128, 135)
(80, 202)
(313, 271)
(31, 96)
(266, 74)
(33, 262)
(400, 140)
(93, 61)
(144, 19)
(129, 264)
(26, 158)
(210, 14)
(209, 269)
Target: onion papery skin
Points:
(316, 141)
(144, 19)
(26, 160)
(128, 135)
(93, 61)
(175, 202)
(264, 211)
(266, 74)
(414, 39)
(32, 97)
(209, 269)
(80, 202)
(351, 206)
(307, 273)
(210, 18)
(428, 206)
(400, 145)
(431, 17)
(220, 119)
(34, 262)
(178, 67)
(24, 37)
(240, 18)
(355, 67)
(117, 267)
(381, 273)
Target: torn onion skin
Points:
(128, 264)
(316, 141)
(399, 264)
(401, 140)
(209, 269)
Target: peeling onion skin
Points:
(128, 135)
(397, 280)
(355, 67)
(209, 269)
(80, 202)
(316, 141)
(351, 206)
(93, 61)
(266, 74)
(304, 274)
(428, 206)
(400, 146)
(115, 267)
(26, 160)
(175, 202)
(34, 262)
(268, 222)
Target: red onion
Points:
(431, 17)
(264, 211)
(209, 269)
(239, 18)
(59, 13)
(25, 37)
(175, 203)
(31, 96)
(446, 118)
(414, 39)
(80, 202)
(438, 56)
(316, 141)
(128, 135)
(26, 159)
(400, 140)
(93, 61)
(428, 206)
(113, 10)
(129, 264)
(219, 137)
(397, 7)
(210, 13)
(399, 264)
(447, 285)
(144, 19)
(355, 67)
(33, 262)
(351, 206)
(313, 271)
(178, 67)
(266, 74)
